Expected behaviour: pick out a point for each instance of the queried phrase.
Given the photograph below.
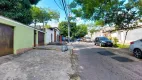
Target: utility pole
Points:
(68, 23)
(66, 9)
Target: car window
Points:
(141, 40)
(96, 39)
(88, 38)
(103, 38)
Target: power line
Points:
(58, 5)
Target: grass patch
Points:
(121, 46)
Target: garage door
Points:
(6, 40)
(40, 38)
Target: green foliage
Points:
(53, 14)
(76, 31)
(47, 26)
(63, 27)
(115, 40)
(34, 1)
(44, 14)
(99, 23)
(73, 4)
(121, 46)
(111, 11)
(123, 17)
(36, 11)
(92, 31)
(78, 12)
(110, 38)
(95, 8)
(81, 31)
(18, 10)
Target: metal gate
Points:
(40, 38)
(6, 40)
(34, 38)
(54, 35)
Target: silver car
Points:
(136, 48)
(87, 39)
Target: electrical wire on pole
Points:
(67, 16)
(58, 5)
(66, 10)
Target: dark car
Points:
(103, 41)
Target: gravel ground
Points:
(38, 65)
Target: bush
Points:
(110, 38)
(115, 40)
(121, 46)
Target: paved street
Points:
(96, 63)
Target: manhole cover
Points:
(106, 53)
(122, 59)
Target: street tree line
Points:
(44, 14)
(76, 31)
(121, 14)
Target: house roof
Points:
(54, 28)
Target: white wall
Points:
(132, 35)
(48, 36)
(97, 34)
(57, 35)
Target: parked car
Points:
(103, 41)
(79, 39)
(87, 39)
(136, 48)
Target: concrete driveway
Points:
(37, 64)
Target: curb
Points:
(74, 65)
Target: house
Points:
(17, 38)
(52, 35)
(132, 35)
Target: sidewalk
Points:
(38, 64)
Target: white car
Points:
(136, 48)
(87, 39)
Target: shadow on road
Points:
(104, 52)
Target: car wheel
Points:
(138, 53)
(100, 45)
(95, 44)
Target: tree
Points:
(81, 31)
(123, 16)
(63, 27)
(43, 14)
(92, 31)
(99, 23)
(36, 11)
(34, 1)
(96, 9)
(53, 14)
(47, 26)
(18, 10)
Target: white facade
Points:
(50, 35)
(132, 35)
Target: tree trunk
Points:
(125, 37)
(43, 24)
(35, 24)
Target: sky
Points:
(52, 5)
